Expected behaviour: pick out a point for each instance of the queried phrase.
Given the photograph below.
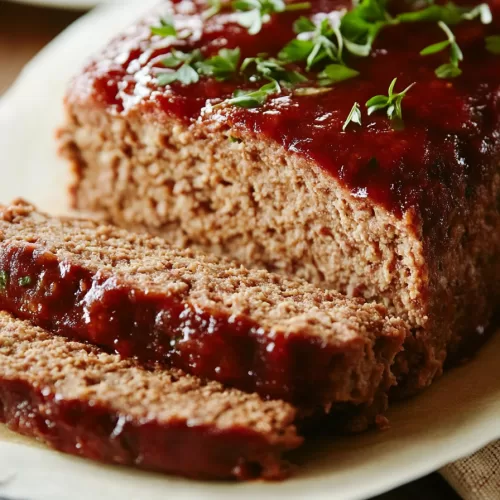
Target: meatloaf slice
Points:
(82, 401)
(253, 330)
(407, 216)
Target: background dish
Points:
(454, 418)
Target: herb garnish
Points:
(25, 281)
(268, 69)
(390, 101)
(448, 13)
(188, 66)
(252, 14)
(214, 7)
(353, 116)
(4, 279)
(334, 73)
(166, 28)
(361, 25)
(451, 69)
(221, 66)
(271, 69)
(316, 45)
(493, 44)
(254, 98)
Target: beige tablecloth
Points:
(477, 477)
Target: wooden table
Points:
(24, 30)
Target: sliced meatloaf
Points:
(82, 401)
(407, 216)
(253, 330)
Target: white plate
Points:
(457, 416)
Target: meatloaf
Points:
(82, 401)
(254, 330)
(402, 211)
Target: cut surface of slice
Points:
(253, 330)
(82, 401)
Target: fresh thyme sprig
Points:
(449, 13)
(391, 102)
(334, 73)
(451, 69)
(252, 14)
(254, 98)
(221, 66)
(493, 44)
(314, 43)
(190, 65)
(271, 69)
(354, 116)
(183, 63)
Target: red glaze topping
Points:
(452, 127)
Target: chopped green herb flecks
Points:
(165, 29)
(451, 69)
(493, 44)
(391, 102)
(334, 73)
(271, 69)
(449, 13)
(254, 98)
(235, 140)
(214, 7)
(4, 280)
(25, 281)
(353, 116)
(315, 45)
(361, 25)
(185, 72)
(252, 14)
(221, 66)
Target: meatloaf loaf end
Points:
(408, 217)
(82, 401)
(250, 329)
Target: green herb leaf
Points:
(271, 69)
(254, 13)
(254, 98)
(319, 46)
(391, 102)
(165, 29)
(25, 281)
(303, 25)
(493, 44)
(334, 73)
(184, 61)
(448, 70)
(353, 116)
(451, 69)
(434, 48)
(221, 66)
(214, 7)
(4, 280)
(361, 25)
(448, 13)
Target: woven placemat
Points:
(476, 477)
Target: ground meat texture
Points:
(82, 401)
(253, 330)
(409, 218)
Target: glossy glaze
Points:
(70, 300)
(452, 127)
